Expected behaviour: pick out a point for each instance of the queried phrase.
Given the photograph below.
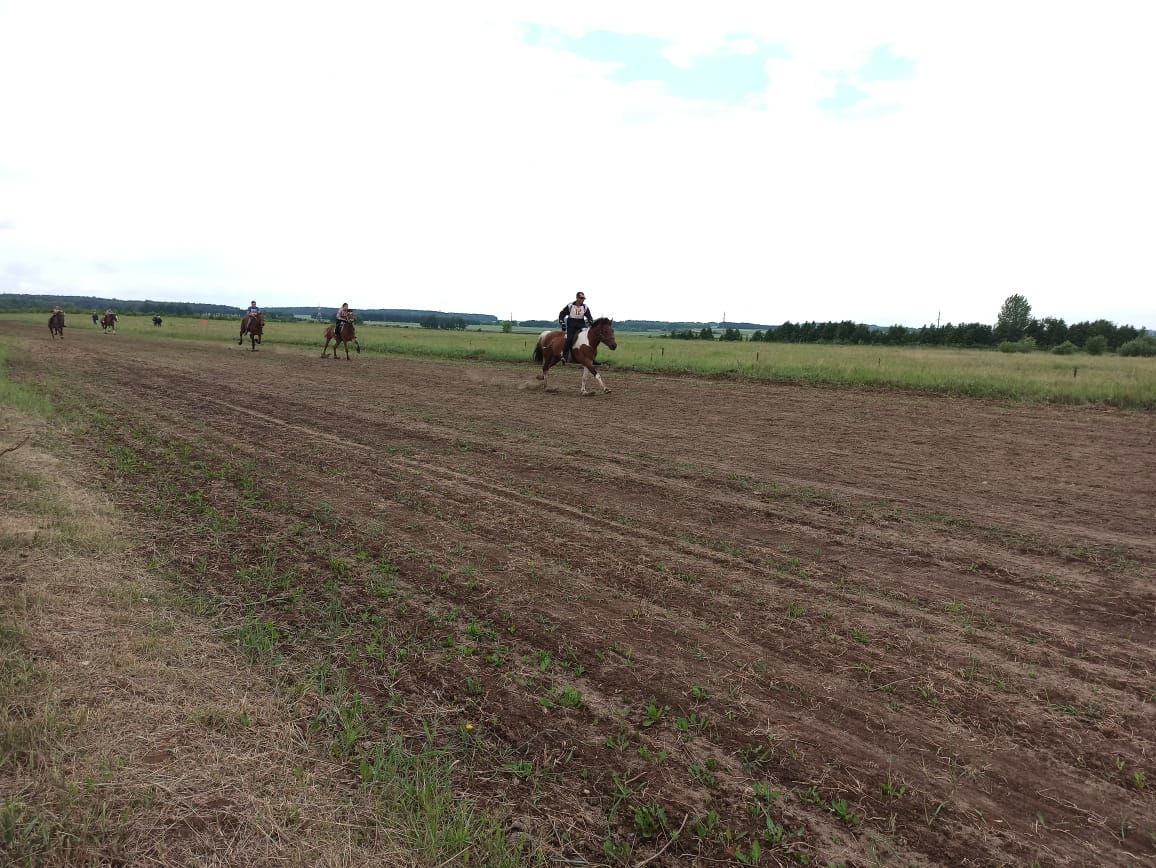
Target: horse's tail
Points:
(538, 351)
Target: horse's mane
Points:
(602, 320)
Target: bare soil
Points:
(871, 627)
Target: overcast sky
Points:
(881, 162)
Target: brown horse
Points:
(253, 326)
(348, 333)
(56, 325)
(584, 352)
(108, 322)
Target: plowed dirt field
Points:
(673, 621)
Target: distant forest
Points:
(89, 303)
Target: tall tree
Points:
(1013, 319)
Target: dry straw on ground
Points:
(130, 733)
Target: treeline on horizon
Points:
(1047, 333)
(89, 303)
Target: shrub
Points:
(1026, 345)
(1064, 349)
(1145, 345)
(1096, 345)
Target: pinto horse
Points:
(108, 322)
(253, 326)
(348, 333)
(56, 325)
(157, 321)
(584, 352)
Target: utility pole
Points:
(937, 318)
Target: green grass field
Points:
(1077, 379)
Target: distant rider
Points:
(345, 315)
(572, 319)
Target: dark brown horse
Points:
(348, 333)
(253, 326)
(108, 322)
(56, 325)
(584, 352)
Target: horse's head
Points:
(603, 331)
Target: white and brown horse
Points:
(584, 352)
(108, 322)
(252, 325)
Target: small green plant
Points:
(618, 741)
(693, 723)
(706, 825)
(763, 807)
(842, 810)
(479, 632)
(893, 788)
(649, 820)
(795, 611)
(699, 694)
(751, 856)
(520, 768)
(652, 713)
(755, 756)
(703, 772)
(657, 757)
(617, 851)
(1139, 780)
(622, 792)
(569, 697)
(259, 638)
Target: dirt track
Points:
(926, 623)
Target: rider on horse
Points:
(572, 319)
(345, 315)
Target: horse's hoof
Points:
(540, 377)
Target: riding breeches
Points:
(573, 327)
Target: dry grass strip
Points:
(129, 733)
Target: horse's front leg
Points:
(598, 377)
(346, 345)
(585, 374)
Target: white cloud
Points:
(426, 156)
